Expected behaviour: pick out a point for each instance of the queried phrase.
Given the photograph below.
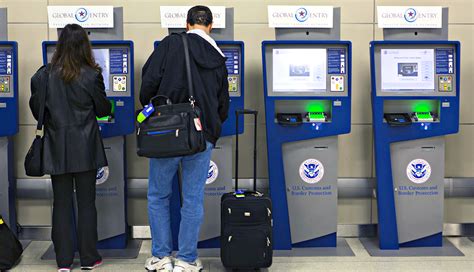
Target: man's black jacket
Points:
(165, 73)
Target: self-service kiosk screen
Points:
(6, 72)
(408, 69)
(113, 61)
(307, 69)
(415, 69)
(299, 70)
(102, 58)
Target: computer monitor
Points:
(299, 70)
(102, 58)
(415, 69)
(408, 69)
(113, 61)
(307, 69)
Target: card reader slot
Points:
(428, 148)
(398, 119)
(317, 117)
(321, 147)
(424, 117)
(289, 119)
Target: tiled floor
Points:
(361, 262)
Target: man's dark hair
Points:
(199, 15)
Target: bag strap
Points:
(184, 37)
(44, 92)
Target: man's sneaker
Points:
(94, 266)
(182, 266)
(164, 264)
(64, 269)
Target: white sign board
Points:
(409, 17)
(300, 16)
(85, 16)
(175, 16)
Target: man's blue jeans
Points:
(194, 174)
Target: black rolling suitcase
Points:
(246, 220)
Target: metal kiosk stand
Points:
(415, 103)
(307, 81)
(9, 118)
(109, 47)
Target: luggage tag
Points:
(197, 124)
(1, 221)
(239, 193)
(145, 113)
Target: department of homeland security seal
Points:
(311, 171)
(102, 175)
(213, 173)
(419, 171)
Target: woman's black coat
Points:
(72, 140)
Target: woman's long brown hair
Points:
(73, 52)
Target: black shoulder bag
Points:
(10, 248)
(34, 157)
(172, 130)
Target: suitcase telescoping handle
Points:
(237, 114)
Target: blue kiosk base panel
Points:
(130, 252)
(448, 249)
(342, 250)
(329, 240)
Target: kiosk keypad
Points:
(337, 83)
(120, 83)
(5, 84)
(233, 84)
(233, 64)
(445, 83)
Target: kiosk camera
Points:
(115, 57)
(307, 86)
(9, 125)
(415, 102)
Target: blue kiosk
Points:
(115, 56)
(9, 120)
(219, 180)
(415, 103)
(220, 176)
(307, 88)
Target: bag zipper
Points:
(161, 132)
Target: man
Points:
(164, 73)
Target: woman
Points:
(73, 147)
